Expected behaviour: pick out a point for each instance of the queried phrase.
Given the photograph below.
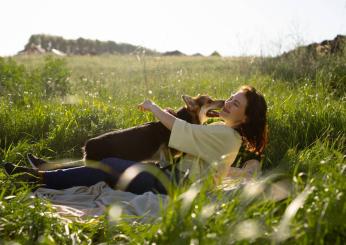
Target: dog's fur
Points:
(142, 142)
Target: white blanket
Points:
(93, 201)
(80, 202)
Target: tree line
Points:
(82, 46)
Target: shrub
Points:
(12, 78)
(54, 77)
(302, 64)
(49, 80)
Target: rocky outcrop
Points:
(327, 47)
(33, 49)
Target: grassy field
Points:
(50, 106)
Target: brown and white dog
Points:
(143, 142)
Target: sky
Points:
(233, 28)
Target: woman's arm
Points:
(165, 117)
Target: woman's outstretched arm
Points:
(165, 117)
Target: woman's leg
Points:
(78, 176)
(62, 178)
(141, 183)
(109, 170)
(43, 165)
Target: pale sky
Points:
(242, 27)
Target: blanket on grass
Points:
(93, 201)
(82, 202)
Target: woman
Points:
(209, 148)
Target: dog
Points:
(146, 141)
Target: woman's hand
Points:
(146, 105)
(251, 169)
(165, 117)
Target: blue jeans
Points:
(87, 176)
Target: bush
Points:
(54, 77)
(49, 80)
(302, 65)
(12, 78)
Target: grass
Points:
(305, 156)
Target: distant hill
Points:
(198, 55)
(80, 46)
(215, 54)
(174, 53)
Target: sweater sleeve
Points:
(209, 142)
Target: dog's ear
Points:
(190, 102)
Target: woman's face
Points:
(233, 112)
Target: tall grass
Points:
(305, 158)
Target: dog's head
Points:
(202, 107)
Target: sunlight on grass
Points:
(115, 212)
(283, 231)
(299, 198)
(248, 230)
(188, 196)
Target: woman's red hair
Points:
(255, 130)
